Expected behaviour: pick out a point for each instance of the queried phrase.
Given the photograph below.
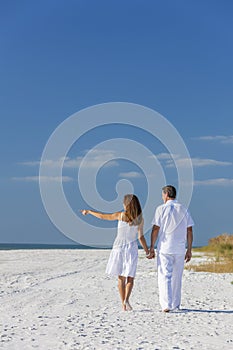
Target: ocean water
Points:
(17, 246)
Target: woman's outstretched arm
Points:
(141, 237)
(103, 216)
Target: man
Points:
(172, 225)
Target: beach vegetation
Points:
(219, 253)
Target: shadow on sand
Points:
(184, 311)
(204, 311)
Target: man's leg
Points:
(178, 268)
(165, 262)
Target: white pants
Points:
(170, 270)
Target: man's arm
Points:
(188, 254)
(154, 236)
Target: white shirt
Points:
(173, 220)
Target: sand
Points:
(62, 299)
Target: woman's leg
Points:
(121, 287)
(128, 290)
(129, 287)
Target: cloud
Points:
(215, 182)
(200, 162)
(131, 174)
(43, 178)
(219, 138)
(171, 159)
(96, 159)
(166, 156)
(48, 162)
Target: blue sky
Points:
(58, 57)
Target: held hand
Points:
(84, 212)
(188, 256)
(151, 254)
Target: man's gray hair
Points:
(170, 190)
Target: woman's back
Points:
(126, 233)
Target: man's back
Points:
(173, 219)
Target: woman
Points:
(124, 255)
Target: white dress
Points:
(124, 255)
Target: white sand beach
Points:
(62, 299)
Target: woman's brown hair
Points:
(133, 211)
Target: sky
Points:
(58, 58)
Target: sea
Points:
(20, 246)
(29, 246)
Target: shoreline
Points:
(38, 246)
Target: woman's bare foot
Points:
(127, 305)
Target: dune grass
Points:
(219, 254)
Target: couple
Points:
(172, 227)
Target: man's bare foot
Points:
(166, 310)
(124, 307)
